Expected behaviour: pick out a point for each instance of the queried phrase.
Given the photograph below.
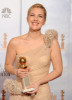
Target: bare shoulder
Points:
(13, 41)
(16, 40)
(55, 44)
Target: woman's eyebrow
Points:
(40, 14)
(32, 13)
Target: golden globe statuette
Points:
(25, 80)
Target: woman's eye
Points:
(31, 15)
(41, 16)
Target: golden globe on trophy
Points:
(25, 80)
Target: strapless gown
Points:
(38, 61)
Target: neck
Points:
(34, 34)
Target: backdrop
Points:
(13, 23)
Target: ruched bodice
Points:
(38, 61)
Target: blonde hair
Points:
(37, 5)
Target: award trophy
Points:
(25, 80)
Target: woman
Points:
(40, 50)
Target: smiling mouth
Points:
(35, 23)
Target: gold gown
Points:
(38, 60)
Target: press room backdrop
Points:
(13, 23)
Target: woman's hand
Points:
(34, 85)
(22, 72)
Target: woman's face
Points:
(36, 19)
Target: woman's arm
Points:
(10, 58)
(56, 62)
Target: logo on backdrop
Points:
(3, 48)
(6, 13)
(4, 42)
(62, 42)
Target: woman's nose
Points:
(35, 18)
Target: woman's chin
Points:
(35, 29)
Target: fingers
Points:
(23, 70)
(22, 73)
(32, 92)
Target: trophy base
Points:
(28, 90)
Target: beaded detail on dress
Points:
(49, 36)
(12, 86)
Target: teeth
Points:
(35, 23)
